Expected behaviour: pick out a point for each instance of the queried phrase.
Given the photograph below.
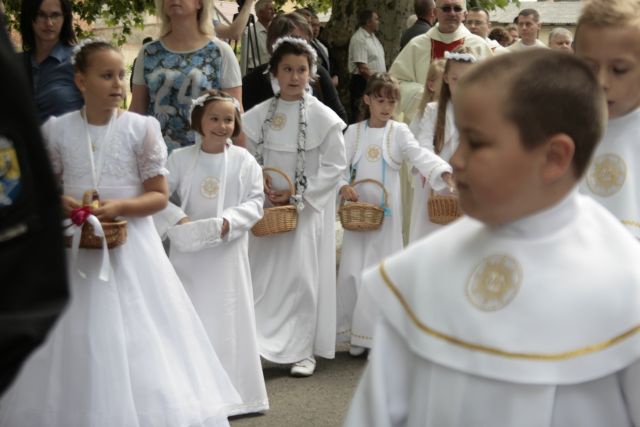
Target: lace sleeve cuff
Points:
(152, 157)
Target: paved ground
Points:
(318, 401)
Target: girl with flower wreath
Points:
(299, 135)
(436, 130)
(219, 188)
(130, 350)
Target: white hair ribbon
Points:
(463, 57)
(203, 99)
(303, 43)
(86, 42)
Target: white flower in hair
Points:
(300, 42)
(199, 101)
(464, 57)
(86, 42)
(202, 99)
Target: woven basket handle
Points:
(433, 193)
(373, 181)
(280, 172)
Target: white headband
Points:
(201, 100)
(303, 43)
(84, 43)
(463, 57)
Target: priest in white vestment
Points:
(412, 63)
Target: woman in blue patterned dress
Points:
(184, 62)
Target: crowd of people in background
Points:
(228, 176)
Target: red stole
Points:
(438, 48)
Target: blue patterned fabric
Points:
(174, 79)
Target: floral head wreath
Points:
(462, 57)
(203, 99)
(84, 43)
(304, 44)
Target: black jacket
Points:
(33, 284)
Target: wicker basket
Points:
(443, 209)
(279, 219)
(357, 216)
(115, 232)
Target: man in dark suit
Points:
(425, 14)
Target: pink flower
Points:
(79, 215)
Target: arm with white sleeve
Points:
(429, 164)
(244, 216)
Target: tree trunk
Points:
(344, 22)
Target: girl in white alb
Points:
(130, 350)
(436, 130)
(297, 134)
(219, 187)
(376, 149)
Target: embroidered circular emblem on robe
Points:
(278, 121)
(374, 152)
(494, 283)
(607, 174)
(209, 187)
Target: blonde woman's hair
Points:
(443, 100)
(205, 19)
(436, 70)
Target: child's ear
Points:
(367, 100)
(78, 78)
(431, 85)
(559, 151)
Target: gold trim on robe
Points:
(565, 355)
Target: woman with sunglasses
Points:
(47, 43)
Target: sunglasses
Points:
(449, 9)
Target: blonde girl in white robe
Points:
(219, 187)
(435, 129)
(297, 134)
(376, 148)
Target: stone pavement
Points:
(321, 400)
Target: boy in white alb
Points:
(606, 39)
(526, 312)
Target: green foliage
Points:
(129, 14)
(491, 4)
(317, 5)
(126, 14)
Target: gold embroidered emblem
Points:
(607, 174)
(278, 121)
(494, 283)
(209, 187)
(374, 152)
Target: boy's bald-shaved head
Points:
(570, 102)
